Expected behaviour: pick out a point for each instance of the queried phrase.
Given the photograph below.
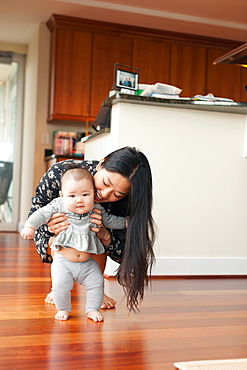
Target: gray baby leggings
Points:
(64, 273)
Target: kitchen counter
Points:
(54, 158)
(183, 103)
(197, 152)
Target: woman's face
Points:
(109, 186)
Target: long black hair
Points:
(138, 257)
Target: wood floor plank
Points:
(181, 319)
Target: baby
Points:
(75, 246)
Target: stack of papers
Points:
(165, 96)
(210, 97)
(160, 90)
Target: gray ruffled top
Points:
(77, 235)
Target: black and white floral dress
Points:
(48, 189)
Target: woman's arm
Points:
(113, 241)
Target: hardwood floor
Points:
(180, 320)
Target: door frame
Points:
(17, 158)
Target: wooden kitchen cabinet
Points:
(107, 50)
(243, 84)
(83, 54)
(223, 80)
(152, 58)
(187, 70)
(70, 75)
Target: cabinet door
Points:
(243, 97)
(152, 58)
(223, 80)
(107, 50)
(70, 75)
(188, 66)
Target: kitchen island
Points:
(197, 152)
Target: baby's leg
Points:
(62, 284)
(94, 283)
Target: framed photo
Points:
(126, 77)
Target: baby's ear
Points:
(60, 193)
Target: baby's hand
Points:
(27, 233)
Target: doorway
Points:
(12, 67)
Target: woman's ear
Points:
(99, 167)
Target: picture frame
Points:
(126, 77)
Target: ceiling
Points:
(215, 18)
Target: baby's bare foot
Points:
(62, 315)
(108, 302)
(95, 316)
(49, 298)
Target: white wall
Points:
(35, 114)
(16, 48)
(199, 176)
(35, 117)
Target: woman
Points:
(123, 186)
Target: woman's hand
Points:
(102, 233)
(57, 223)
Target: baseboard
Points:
(191, 267)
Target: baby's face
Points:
(78, 196)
